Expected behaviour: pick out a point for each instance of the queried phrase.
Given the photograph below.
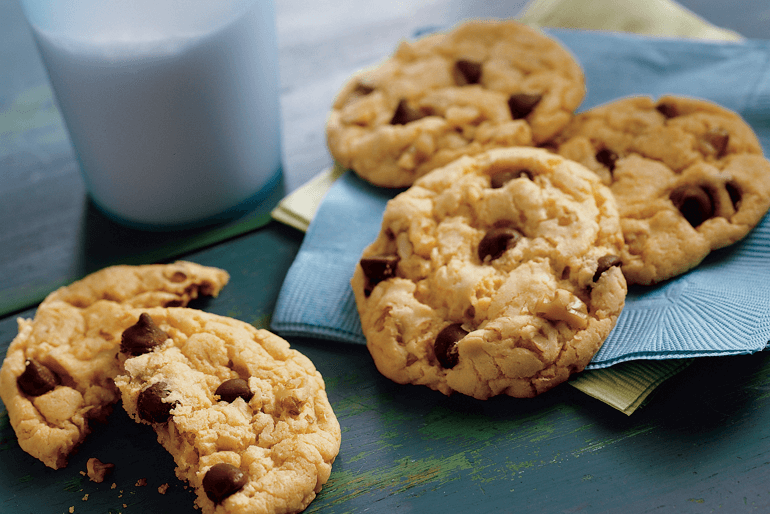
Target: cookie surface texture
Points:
(689, 177)
(58, 373)
(496, 274)
(482, 85)
(245, 417)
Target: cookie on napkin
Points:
(496, 274)
(689, 177)
(245, 417)
(58, 373)
(482, 85)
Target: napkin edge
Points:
(632, 384)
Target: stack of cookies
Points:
(504, 265)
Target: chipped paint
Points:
(402, 476)
(600, 445)
(444, 423)
(33, 109)
(74, 484)
(262, 321)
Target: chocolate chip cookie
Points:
(58, 373)
(689, 177)
(496, 274)
(245, 417)
(482, 85)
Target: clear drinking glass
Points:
(172, 105)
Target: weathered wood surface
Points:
(701, 445)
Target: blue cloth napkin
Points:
(720, 308)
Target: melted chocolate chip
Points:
(178, 277)
(694, 202)
(735, 194)
(445, 345)
(405, 113)
(234, 388)
(142, 337)
(667, 110)
(500, 179)
(715, 142)
(150, 405)
(605, 263)
(37, 379)
(467, 72)
(496, 242)
(223, 480)
(362, 89)
(607, 157)
(521, 104)
(378, 268)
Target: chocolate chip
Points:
(605, 263)
(735, 194)
(362, 89)
(405, 113)
(223, 480)
(37, 379)
(445, 346)
(178, 276)
(496, 242)
(142, 337)
(378, 268)
(667, 110)
(234, 388)
(207, 288)
(607, 157)
(694, 202)
(521, 104)
(715, 142)
(467, 72)
(150, 405)
(500, 179)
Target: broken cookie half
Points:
(58, 374)
(245, 417)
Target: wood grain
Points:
(700, 446)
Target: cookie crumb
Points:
(72, 509)
(141, 482)
(114, 485)
(163, 488)
(85, 498)
(97, 469)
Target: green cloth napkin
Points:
(625, 386)
(628, 385)
(649, 17)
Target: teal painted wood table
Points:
(702, 443)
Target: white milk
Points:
(173, 122)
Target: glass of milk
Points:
(172, 105)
